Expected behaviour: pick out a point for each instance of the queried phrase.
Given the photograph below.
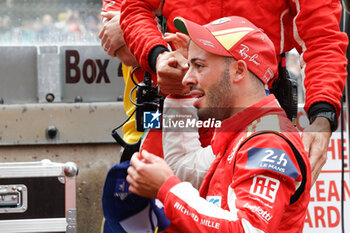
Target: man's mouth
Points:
(198, 95)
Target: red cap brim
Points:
(201, 36)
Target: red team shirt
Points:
(249, 185)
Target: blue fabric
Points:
(119, 204)
(163, 221)
(110, 227)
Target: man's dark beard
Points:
(219, 98)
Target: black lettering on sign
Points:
(72, 66)
(89, 63)
(103, 71)
(89, 69)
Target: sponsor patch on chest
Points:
(273, 159)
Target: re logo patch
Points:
(151, 120)
(265, 187)
(273, 159)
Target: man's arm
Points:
(145, 41)
(323, 60)
(111, 35)
(248, 210)
(316, 140)
(140, 30)
(316, 29)
(149, 175)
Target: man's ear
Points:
(241, 70)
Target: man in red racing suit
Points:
(260, 178)
(312, 27)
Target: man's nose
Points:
(189, 79)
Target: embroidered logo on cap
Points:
(220, 21)
(244, 53)
(121, 189)
(268, 74)
(206, 42)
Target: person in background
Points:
(113, 43)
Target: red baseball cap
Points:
(234, 37)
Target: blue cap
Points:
(127, 212)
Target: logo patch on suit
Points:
(273, 159)
(216, 200)
(121, 188)
(265, 187)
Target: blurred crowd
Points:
(58, 26)
(68, 27)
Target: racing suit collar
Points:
(239, 122)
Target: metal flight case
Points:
(38, 197)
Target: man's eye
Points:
(198, 65)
